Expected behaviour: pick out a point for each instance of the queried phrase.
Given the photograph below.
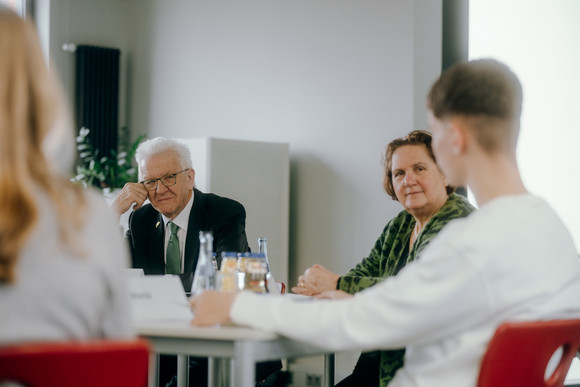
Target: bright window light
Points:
(540, 41)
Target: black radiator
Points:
(97, 95)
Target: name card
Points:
(157, 297)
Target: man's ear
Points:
(458, 135)
(191, 178)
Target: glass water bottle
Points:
(204, 277)
(270, 281)
(263, 249)
(256, 279)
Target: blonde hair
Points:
(30, 104)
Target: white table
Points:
(573, 376)
(245, 346)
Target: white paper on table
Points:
(158, 297)
(573, 376)
(134, 272)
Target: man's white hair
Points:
(159, 145)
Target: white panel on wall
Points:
(257, 175)
(200, 151)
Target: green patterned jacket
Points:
(391, 253)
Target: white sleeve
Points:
(430, 298)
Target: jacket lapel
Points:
(193, 228)
(156, 246)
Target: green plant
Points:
(106, 172)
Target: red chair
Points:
(519, 352)
(93, 363)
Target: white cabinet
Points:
(257, 175)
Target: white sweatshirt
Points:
(511, 260)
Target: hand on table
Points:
(211, 307)
(131, 195)
(315, 280)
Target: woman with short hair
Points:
(413, 178)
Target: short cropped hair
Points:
(157, 145)
(416, 137)
(487, 93)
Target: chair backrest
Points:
(76, 363)
(519, 352)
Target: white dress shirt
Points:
(181, 221)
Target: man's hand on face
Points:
(133, 195)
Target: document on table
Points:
(158, 297)
(134, 273)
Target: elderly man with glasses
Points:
(177, 208)
(176, 213)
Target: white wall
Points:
(334, 78)
(337, 79)
(541, 46)
(428, 42)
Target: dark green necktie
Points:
(173, 257)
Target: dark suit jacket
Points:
(225, 217)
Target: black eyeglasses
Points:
(167, 180)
